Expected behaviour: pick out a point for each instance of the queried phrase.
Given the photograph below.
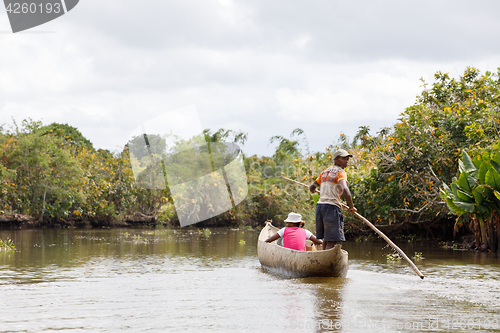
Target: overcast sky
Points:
(261, 67)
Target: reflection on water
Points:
(185, 279)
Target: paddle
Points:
(381, 234)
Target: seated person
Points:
(294, 237)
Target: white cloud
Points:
(261, 67)
(350, 93)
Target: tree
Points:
(420, 152)
(45, 175)
(287, 149)
(71, 135)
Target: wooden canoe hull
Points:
(296, 264)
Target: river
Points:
(173, 280)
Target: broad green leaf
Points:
(453, 193)
(495, 165)
(315, 198)
(485, 156)
(444, 192)
(497, 194)
(496, 201)
(483, 169)
(493, 179)
(469, 164)
(481, 193)
(468, 207)
(454, 208)
(463, 183)
(495, 157)
(472, 181)
(477, 161)
(485, 211)
(461, 167)
(454, 187)
(464, 196)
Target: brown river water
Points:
(185, 280)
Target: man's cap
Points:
(294, 218)
(341, 153)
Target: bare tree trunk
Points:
(497, 218)
(492, 235)
(43, 205)
(484, 237)
(477, 232)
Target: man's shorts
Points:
(329, 223)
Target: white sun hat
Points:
(294, 218)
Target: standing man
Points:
(333, 185)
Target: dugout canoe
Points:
(297, 264)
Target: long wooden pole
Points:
(380, 233)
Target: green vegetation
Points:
(418, 154)
(395, 176)
(393, 257)
(7, 245)
(48, 177)
(418, 256)
(398, 176)
(474, 196)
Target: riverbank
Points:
(21, 221)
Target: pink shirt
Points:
(294, 237)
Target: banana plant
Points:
(476, 194)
